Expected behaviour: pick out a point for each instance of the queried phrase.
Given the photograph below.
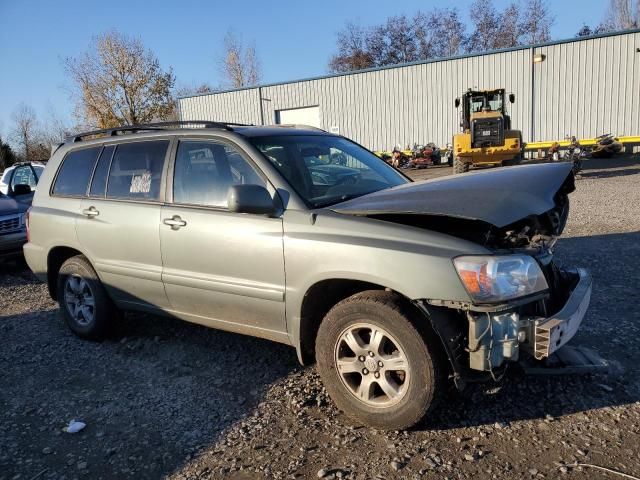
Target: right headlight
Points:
(491, 278)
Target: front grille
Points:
(487, 132)
(9, 224)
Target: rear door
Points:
(119, 223)
(221, 268)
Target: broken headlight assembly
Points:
(490, 278)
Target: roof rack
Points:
(298, 125)
(112, 132)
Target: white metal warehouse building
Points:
(584, 87)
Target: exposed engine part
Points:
(493, 338)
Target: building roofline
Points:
(420, 62)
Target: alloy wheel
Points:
(79, 300)
(372, 365)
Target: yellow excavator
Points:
(486, 138)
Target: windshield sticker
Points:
(141, 183)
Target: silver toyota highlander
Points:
(296, 235)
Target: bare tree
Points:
(485, 21)
(119, 82)
(54, 129)
(25, 130)
(194, 89)
(353, 51)
(585, 31)
(239, 66)
(400, 39)
(397, 39)
(537, 19)
(450, 32)
(508, 33)
(621, 15)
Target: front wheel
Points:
(460, 166)
(377, 361)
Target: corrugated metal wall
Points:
(584, 88)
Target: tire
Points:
(78, 279)
(406, 340)
(460, 166)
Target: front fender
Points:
(414, 262)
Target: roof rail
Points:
(299, 125)
(112, 132)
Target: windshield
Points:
(495, 102)
(490, 101)
(325, 170)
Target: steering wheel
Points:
(347, 180)
(339, 159)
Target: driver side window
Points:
(205, 170)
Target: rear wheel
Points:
(84, 303)
(376, 361)
(460, 166)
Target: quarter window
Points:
(73, 177)
(136, 170)
(204, 171)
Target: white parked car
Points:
(16, 174)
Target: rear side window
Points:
(73, 177)
(99, 182)
(136, 170)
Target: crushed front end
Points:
(538, 328)
(523, 304)
(518, 302)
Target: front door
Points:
(221, 268)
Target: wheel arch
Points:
(55, 258)
(318, 299)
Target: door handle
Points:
(175, 222)
(91, 212)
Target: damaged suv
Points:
(393, 288)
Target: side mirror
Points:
(512, 98)
(457, 102)
(21, 189)
(250, 199)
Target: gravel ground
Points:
(165, 398)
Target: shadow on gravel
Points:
(151, 397)
(612, 327)
(15, 266)
(619, 166)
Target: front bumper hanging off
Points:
(550, 334)
(500, 336)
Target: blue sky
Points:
(294, 39)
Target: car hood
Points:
(500, 196)
(10, 206)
